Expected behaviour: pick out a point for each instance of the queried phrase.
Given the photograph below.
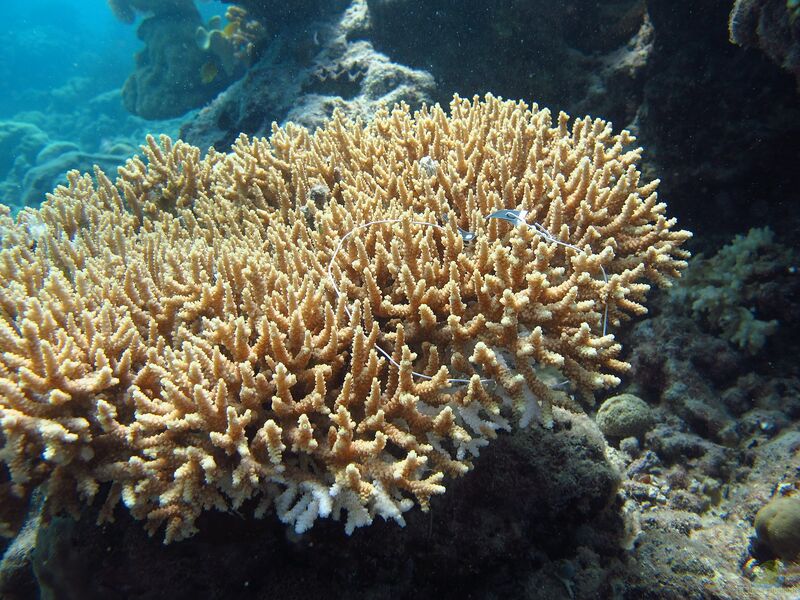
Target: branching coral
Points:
(722, 290)
(175, 338)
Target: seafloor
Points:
(656, 500)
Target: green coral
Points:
(722, 289)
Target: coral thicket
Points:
(326, 324)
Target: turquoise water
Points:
(63, 67)
(47, 44)
(50, 42)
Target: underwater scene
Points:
(400, 299)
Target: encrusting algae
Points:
(304, 322)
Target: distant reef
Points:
(31, 164)
(77, 131)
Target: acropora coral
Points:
(324, 323)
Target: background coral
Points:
(169, 78)
(727, 289)
(778, 527)
(233, 44)
(126, 10)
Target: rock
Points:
(771, 26)
(306, 72)
(17, 580)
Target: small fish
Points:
(515, 217)
(467, 236)
(208, 72)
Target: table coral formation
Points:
(305, 323)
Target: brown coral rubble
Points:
(323, 323)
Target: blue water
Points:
(49, 43)
(551, 513)
(62, 66)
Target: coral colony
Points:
(200, 333)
